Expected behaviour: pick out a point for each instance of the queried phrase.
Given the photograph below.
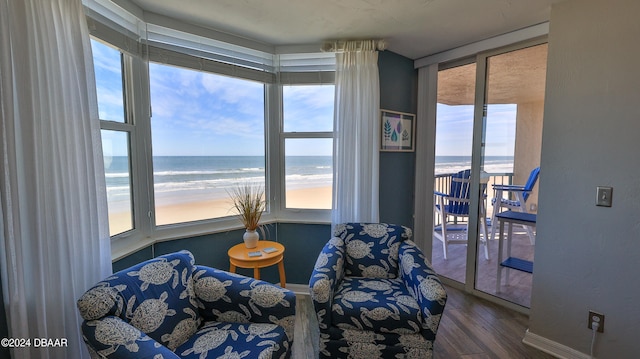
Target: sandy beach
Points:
(199, 209)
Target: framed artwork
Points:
(397, 131)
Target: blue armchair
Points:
(168, 307)
(375, 294)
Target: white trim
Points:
(298, 289)
(551, 347)
(253, 47)
(509, 38)
(298, 49)
(425, 157)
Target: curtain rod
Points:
(354, 45)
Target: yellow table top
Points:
(240, 252)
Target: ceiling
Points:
(513, 77)
(412, 28)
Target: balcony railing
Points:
(443, 184)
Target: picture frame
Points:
(397, 131)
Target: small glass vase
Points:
(251, 238)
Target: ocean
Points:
(492, 164)
(185, 178)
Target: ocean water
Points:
(189, 177)
(492, 164)
(183, 178)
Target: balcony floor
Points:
(517, 290)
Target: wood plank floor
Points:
(471, 328)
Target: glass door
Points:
(512, 116)
(454, 134)
(489, 118)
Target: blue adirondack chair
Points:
(521, 193)
(453, 207)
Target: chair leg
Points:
(444, 240)
(485, 239)
(532, 237)
(493, 225)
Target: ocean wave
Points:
(207, 172)
(205, 184)
(305, 178)
(117, 175)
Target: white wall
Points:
(588, 257)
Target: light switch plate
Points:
(603, 196)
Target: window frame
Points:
(306, 215)
(138, 112)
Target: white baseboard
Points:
(299, 289)
(551, 347)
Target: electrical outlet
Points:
(598, 318)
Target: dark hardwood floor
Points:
(471, 328)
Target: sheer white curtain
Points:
(54, 241)
(356, 128)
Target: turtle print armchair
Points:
(375, 295)
(168, 307)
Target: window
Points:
(207, 135)
(308, 145)
(108, 67)
(182, 123)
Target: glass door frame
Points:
(426, 158)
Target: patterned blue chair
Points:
(168, 307)
(375, 295)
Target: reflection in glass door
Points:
(454, 129)
(511, 143)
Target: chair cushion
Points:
(375, 304)
(155, 296)
(235, 340)
(371, 248)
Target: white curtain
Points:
(54, 241)
(356, 128)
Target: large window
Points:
(207, 135)
(181, 127)
(116, 130)
(308, 144)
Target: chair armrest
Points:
(325, 279)
(440, 194)
(118, 339)
(514, 188)
(229, 297)
(425, 286)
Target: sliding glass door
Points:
(454, 134)
(510, 152)
(489, 122)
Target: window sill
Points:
(134, 241)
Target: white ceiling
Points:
(412, 28)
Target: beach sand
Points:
(313, 197)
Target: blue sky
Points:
(203, 114)
(454, 130)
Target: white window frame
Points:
(136, 54)
(306, 215)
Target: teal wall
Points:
(398, 92)
(303, 242)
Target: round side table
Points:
(239, 257)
